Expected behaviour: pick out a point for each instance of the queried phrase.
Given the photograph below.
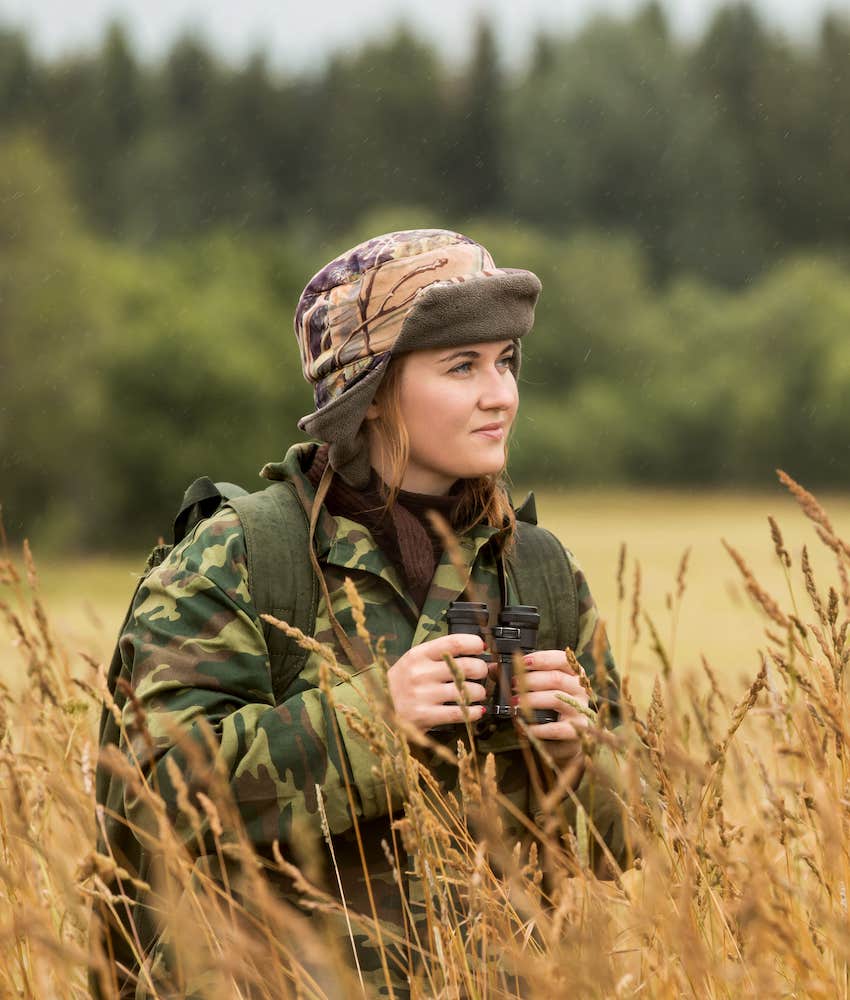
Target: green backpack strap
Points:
(542, 575)
(280, 575)
(201, 500)
(282, 583)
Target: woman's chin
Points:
(485, 468)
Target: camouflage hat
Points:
(392, 294)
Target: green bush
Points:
(126, 374)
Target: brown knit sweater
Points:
(405, 535)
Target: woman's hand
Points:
(548, 679)
(422, 687)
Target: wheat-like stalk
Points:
(736, 811)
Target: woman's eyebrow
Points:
(459, 354)
(473, 354)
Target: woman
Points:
(412, 344)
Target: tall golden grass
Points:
(737, 811)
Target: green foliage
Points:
(476, 164)
(50, 316)
(128, 373)
(720, 155)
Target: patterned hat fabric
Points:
(391, 294)
(351, 312)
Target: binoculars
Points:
(515, 633)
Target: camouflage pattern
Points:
(351, 313)
(196, 650)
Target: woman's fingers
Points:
(450, 692)
(443, 715)
(563, 730)
(425, 691)
(549, 679)
(548, 659)
(471, 668)
(555, 700)
(553, 680)
(461, 644)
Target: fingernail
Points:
(528, 660)
(515, 700)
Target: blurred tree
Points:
(93, 111)
(256, 137)
(788, 329)
(830, 165)
(52, 310)
(120, 90)
(739, 66)
(474, 163)
(190, 82)
(66, 122)
(19, 84)
(544, 55)
(652, 19)
(173, 183)
(633, 173)
(378, 129)
(117, 119)
(612, 135)
(202, 381)
(726, 63)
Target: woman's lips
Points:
(493, 431)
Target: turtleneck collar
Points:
(405, 533)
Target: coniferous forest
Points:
(685, 203)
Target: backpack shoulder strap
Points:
(201, 500)
(542, 575)
(280, 575)
(282, 583)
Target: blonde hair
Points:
(483, 499)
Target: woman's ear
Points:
(372, 412)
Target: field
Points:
(86, 599)
(732, 790)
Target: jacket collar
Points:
(347, 544)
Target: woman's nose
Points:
(499, 391)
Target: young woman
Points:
(412, 344)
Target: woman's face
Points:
(458, 404)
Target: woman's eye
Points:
(465, 367)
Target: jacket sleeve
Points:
(593, 642)
(195, 649)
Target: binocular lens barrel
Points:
(515, 633)
(520, 616)
(524, 618)
(467, 617)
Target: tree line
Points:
(158, 223)
(126, 372)
(721, 154)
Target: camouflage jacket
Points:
(196, 651)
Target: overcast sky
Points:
(299, 34)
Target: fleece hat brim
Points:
(494, 305)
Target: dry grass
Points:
(87, 598)
(736, 796)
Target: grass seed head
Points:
(778, 542)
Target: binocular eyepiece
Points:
(515, 633)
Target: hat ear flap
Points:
(340, 423)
